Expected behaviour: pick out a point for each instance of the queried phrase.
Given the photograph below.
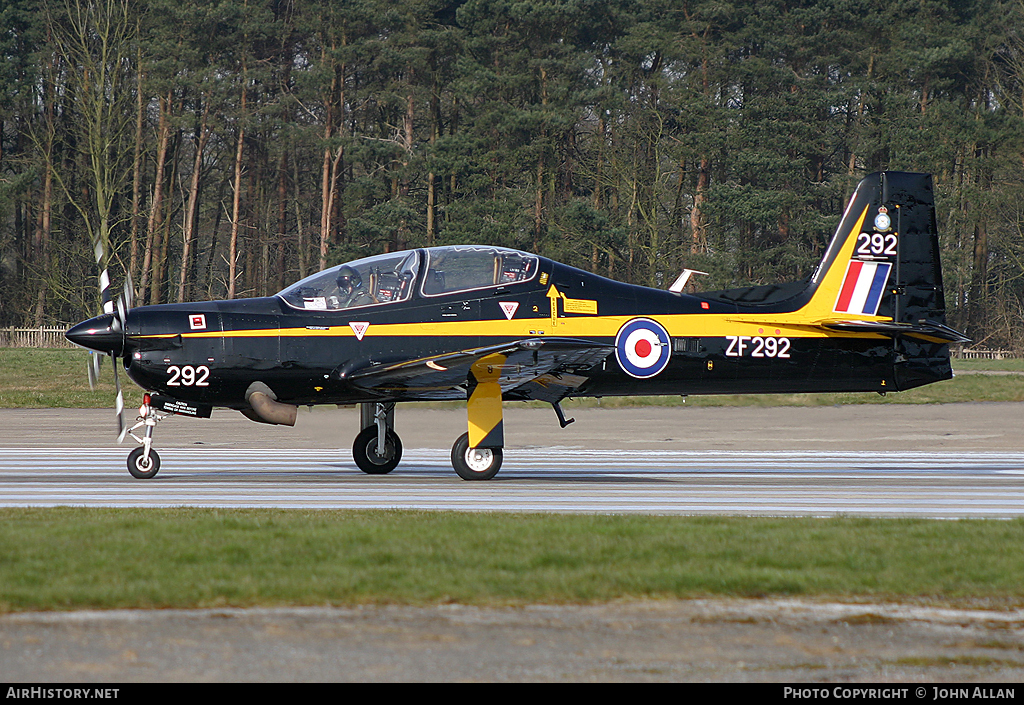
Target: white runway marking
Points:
(558, 479)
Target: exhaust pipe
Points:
(266, 408)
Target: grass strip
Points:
(56, 378)
(73, 558)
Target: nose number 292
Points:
(188, 376)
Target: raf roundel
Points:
(643, 348)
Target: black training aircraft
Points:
(488, 324)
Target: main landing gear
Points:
(377, 449)
(143, 462)
(475, 463)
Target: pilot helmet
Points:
(348, 279)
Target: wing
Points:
(533, 368)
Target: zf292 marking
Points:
(188, 376)
(757, 346)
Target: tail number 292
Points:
(756, 346)
(877, 244)
(187, 376)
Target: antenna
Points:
(680, 282)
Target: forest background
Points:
(226, 148)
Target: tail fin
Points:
(884, 258)
(882, 274)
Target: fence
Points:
(44, 337)
(982, 354)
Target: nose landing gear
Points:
(144, 462)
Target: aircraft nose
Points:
(102, 334)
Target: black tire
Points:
(364, 451)
(475, 464)
(140, 470)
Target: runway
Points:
(944, 461)
(564, 480)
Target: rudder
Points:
(918, 297)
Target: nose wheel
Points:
(143, 466)
(143, 462)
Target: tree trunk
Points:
(235, 208)
(42, 245)
(329, 191)
(162, 241)
(43, 242)
(979, 283)
(156, 205)
(300, 235)
(282, 220)
(538, 204)
(193, 204)
(698, 238)
(133, 261)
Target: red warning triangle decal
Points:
(509, 308)
(359, 328)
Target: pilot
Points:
(350, 286)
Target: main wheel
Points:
(364, 451)
(141, 468)
(475, 463)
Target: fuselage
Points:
(210, 352)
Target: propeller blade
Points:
(129, 291)
(122, 313)
(105, 298)
(122, 430)
(94, 369)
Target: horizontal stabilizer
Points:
(925, 329)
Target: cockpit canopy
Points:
(467, 267)
(382, 279)
(392, 277)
